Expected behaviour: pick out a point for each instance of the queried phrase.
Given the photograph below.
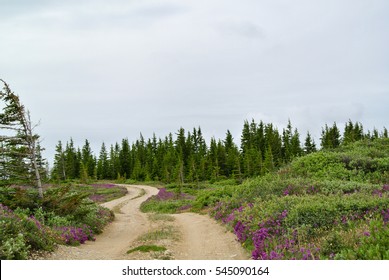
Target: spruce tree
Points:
(103, 164)
(70, 160)
(268, 164)
(309, 144)
(20, 144)
(125, 159)
(330, 137)
(232, 155)
(274, 140)
(295, 145)
(87, 159)
(352, 132)
(59, 169)
(287, 135)
(114, 161)
(385, 133)
(245, 141)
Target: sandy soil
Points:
(192, 236)
(204, 239)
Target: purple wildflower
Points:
(385, 215)
(163, 194)
(97, 197)
(73, 235)
(185, 207)
(240, 230)
(105, 186)
(229, 218)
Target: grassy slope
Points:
(330, 204)
(327, 205)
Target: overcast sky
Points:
(108, 70)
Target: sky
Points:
(108, 70)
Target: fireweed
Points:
(270, 238)
(76, 235)
(380, 192)
(163, 194)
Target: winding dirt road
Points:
(196, 237)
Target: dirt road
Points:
(185, 236)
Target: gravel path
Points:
(195, 236)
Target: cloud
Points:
(107, 70)
(246, 29)
(88, 15)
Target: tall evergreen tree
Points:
(352, 132)
(295, 145)
(71, 161)
(245, 141)
(273, 139)
(385, 133)
(125, 159)
(232, 156)
(114, 161)
(87, 159)
(330, 137)
(268, 164)
(59, 169)
(103, 164)
(287, 135)
(213, 161)
(309, 144)
(19, 146)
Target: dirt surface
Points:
(185, 236)
(204, 239)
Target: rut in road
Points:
(200, 237)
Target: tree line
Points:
(182, 157)
(186, 157)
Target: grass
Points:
(161, 217)
(101, 193)
(163, 235)
(165, 232)
(117, 209)
(147, 248)
(142, 192)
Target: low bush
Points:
(63, 216)
(21, 234)
(372, 245)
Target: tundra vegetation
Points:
(282, 197)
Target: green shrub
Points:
(63, 201)
(14, 248)
(208, 198)
(20, 234)
(373, 245)
(15, 197)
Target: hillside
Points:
(331, 204)
(327, 205)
